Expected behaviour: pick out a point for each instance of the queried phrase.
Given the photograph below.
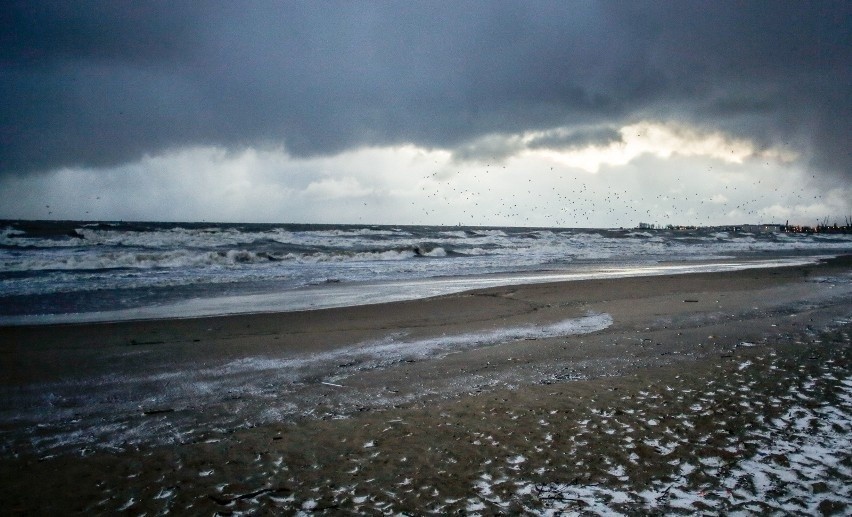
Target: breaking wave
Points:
(45, 258)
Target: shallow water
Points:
(74, 271)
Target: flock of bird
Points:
(489, 196)
(494, 196)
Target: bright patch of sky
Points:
(656, 173)
(662, 141)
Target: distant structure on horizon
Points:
(824, 227)
(759, 228)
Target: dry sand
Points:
(711, 392)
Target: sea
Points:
(73, 271)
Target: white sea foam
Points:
(178, 236)
(75, 413)
(396, 348)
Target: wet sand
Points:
(717, 392)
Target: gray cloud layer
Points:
(101, 83)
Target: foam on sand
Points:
(98, 412)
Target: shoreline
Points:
(332, 295)
(631, 394)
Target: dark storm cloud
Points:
(601, 136)
(101, 83)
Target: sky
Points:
(488, 113)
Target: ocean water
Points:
(100, 271)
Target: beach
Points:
(717, 392)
